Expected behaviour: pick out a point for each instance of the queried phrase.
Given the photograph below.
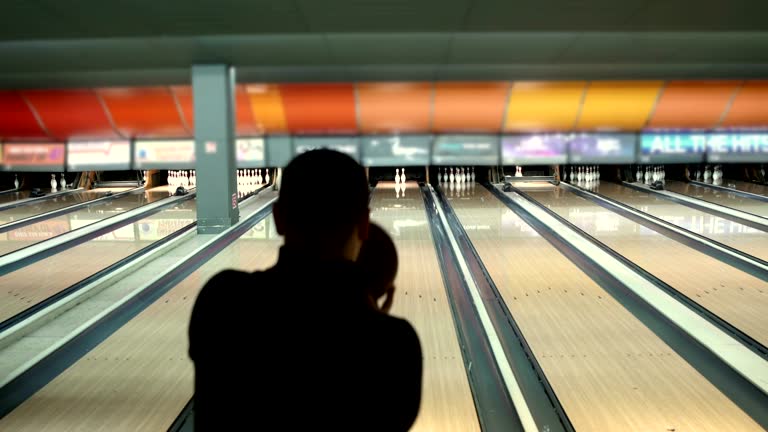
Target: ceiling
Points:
(47, 43)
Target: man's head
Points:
(323, 204)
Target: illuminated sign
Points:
(33, 157)
(405, 150)
(534, 149)
(164, 154)
(735, 148)
(98, 155)
(450, 150)
(250, 153)
(602, 149)
(346, 145)
(672, 148)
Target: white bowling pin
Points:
(402, 176)
(267, 178)
(639, 174)
(397, 175)
(62, 182)
(707, 173)
(473, 174)
(53, 182)
(451, 177)
(16, 181)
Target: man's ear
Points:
(277, 214)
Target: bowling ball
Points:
(180, 191)
(507, 187)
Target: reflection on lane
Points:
(720, 197)
(732, 294)
(28, 235)
(29, 285)
(55, 203)
(13, 196)
(733, 234)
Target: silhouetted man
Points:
(299, 346)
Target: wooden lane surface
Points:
(34, 233)
(747, 187)
(720, 197)
(609, 371)
(733, 234)
(140, 378)
(735, 296)
(446, 403)
(14, 196)
(29, 285)
(55, 203)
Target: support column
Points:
(213, 88)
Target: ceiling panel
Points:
(71, 114)
(388, 48)
(145, 112)
(618, 105)
(394, 107)
(17, 120)
(692, 104)
(319, 108)
(750, 107)
(501, 48)
(384, 15)
(543, 106)
(267, 108)
(564, 15)
(469, 106)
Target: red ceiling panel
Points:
(319, 108)
(17, 120)
(144, 111)
(71, 114)
(244, 123)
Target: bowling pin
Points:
(473, 174)
(53, 182)
(397, 175)
(639, 174)
(16, 181)
(62, 182)
(267, 178)
(450, 177)
(707, 173)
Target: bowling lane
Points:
(747, 187)
(609, 371)
(28, 235)
(141, 377)
(29, 285)
(720, 197)
(13, 196)
(735, 296)
(54, 203)
(733, 234)
(446, 403)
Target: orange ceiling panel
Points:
(618, 105)
(543, 106)
(319, 108)
(244, 124)
(145, 111)
(750, 107)
(394, 107)
(469, 106)
(183, 95)
(692, 104)
(17, 121)
(71, 114)
(267, 108)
